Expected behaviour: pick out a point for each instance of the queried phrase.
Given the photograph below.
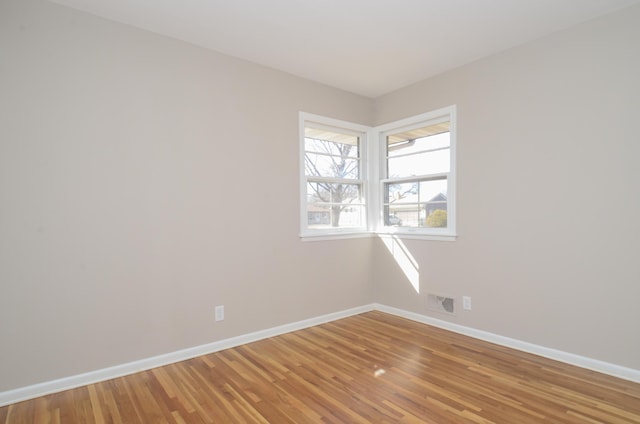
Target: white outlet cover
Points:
(466, 303)
(220, 313)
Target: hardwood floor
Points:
(370, 368)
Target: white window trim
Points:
(310, 234)
(373, 159)
(433, 117)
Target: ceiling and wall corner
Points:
(366, 47)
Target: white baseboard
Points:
(54, 386)
(558, 355)
(36, 390)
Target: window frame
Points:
(446, 114)
(373, 170)
(361, 131)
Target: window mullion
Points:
(436, 149)
(316, 179)
(417, 178)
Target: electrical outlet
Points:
(466, 303)
(220, 313)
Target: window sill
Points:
(417, 236)
(334, 236)
(407, 235)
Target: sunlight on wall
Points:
(404, 259)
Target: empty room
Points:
(299, 211)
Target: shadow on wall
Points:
(404, 259)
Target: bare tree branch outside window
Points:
(330, 162)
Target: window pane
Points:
(334, 205)
(416, 204)
(430, 190)
(419, 164)
(397, 146)
(391, 218)
(320, 192)
(403, 215)
(319, 165)
(401, 193)
(421, 151)
(436, 218)
(336, 216)
(331, 148)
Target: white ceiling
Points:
(368, 47)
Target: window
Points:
(417, 181)
(333, 186)
(411, 164)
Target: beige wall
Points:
(548, 193)
(142, 182)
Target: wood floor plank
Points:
(369, 368)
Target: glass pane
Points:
(319, 192)
(436, 218)
(331, 142)
(433, 190)
(331, 148)
(336, 216)
(403, 215)
(416, 204)
(346, 193)
(391, 218)
(318, 216)
(434, 208)
(331, 166)
(419, 164)
(402, 193)
(396, 146)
